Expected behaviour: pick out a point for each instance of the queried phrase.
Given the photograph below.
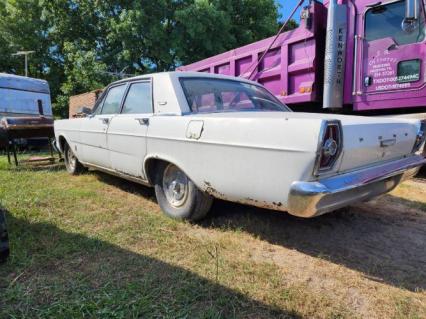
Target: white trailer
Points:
(23, 96)
(25, 111)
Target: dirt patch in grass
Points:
(97, 246)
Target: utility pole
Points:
(25, 54)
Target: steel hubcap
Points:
(175, 185)
(71, 159)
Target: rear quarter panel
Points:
(249, 160)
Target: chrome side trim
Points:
(309, 199)
(118, 174)
(354, 77)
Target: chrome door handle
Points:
(143, 121)
(104, 120)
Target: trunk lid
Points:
(372, 140)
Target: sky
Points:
(287, 7)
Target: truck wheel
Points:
(73, 166)
(178, 196)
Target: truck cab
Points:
(387, 65)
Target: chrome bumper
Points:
(309, 199)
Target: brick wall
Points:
(82, 100)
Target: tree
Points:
(290, 26)
(83, 72)
(22, 27)
(160, 35)
(77, 42)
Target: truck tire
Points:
(72, 164)
(178, 196)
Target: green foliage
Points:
(291, 25)
(79, 42)
(83, 72)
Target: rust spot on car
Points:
(262, 204)
(212, 191)
(208, 188)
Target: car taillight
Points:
(420, 138)
(330, 146)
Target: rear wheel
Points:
(178, 196)
(73, 166)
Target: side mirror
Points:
(412, 9)
(84, 111)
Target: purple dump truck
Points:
(352, 55)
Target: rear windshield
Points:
(206, 95)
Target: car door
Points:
(93, 130)
(127, 131)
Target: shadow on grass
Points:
(422, 172)
(421, 206)
(52, 273)
(385, 248)
(127, 186)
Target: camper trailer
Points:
(23, 96)
(25, 110)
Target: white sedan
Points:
(195, 137)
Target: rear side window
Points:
(113, 100)
(138, 99)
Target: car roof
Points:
(180, 74)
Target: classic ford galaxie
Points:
(196, 136)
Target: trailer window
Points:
(206, 95)
(384, 21)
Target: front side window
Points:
(206, 95)
(113, 100)
(385, 21)
(98, 105)
(138, 99)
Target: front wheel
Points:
(178, 196)
(73, 166)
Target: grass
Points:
(94, 246)
(417, 196)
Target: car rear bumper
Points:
(309, 199)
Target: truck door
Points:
(391, 59)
